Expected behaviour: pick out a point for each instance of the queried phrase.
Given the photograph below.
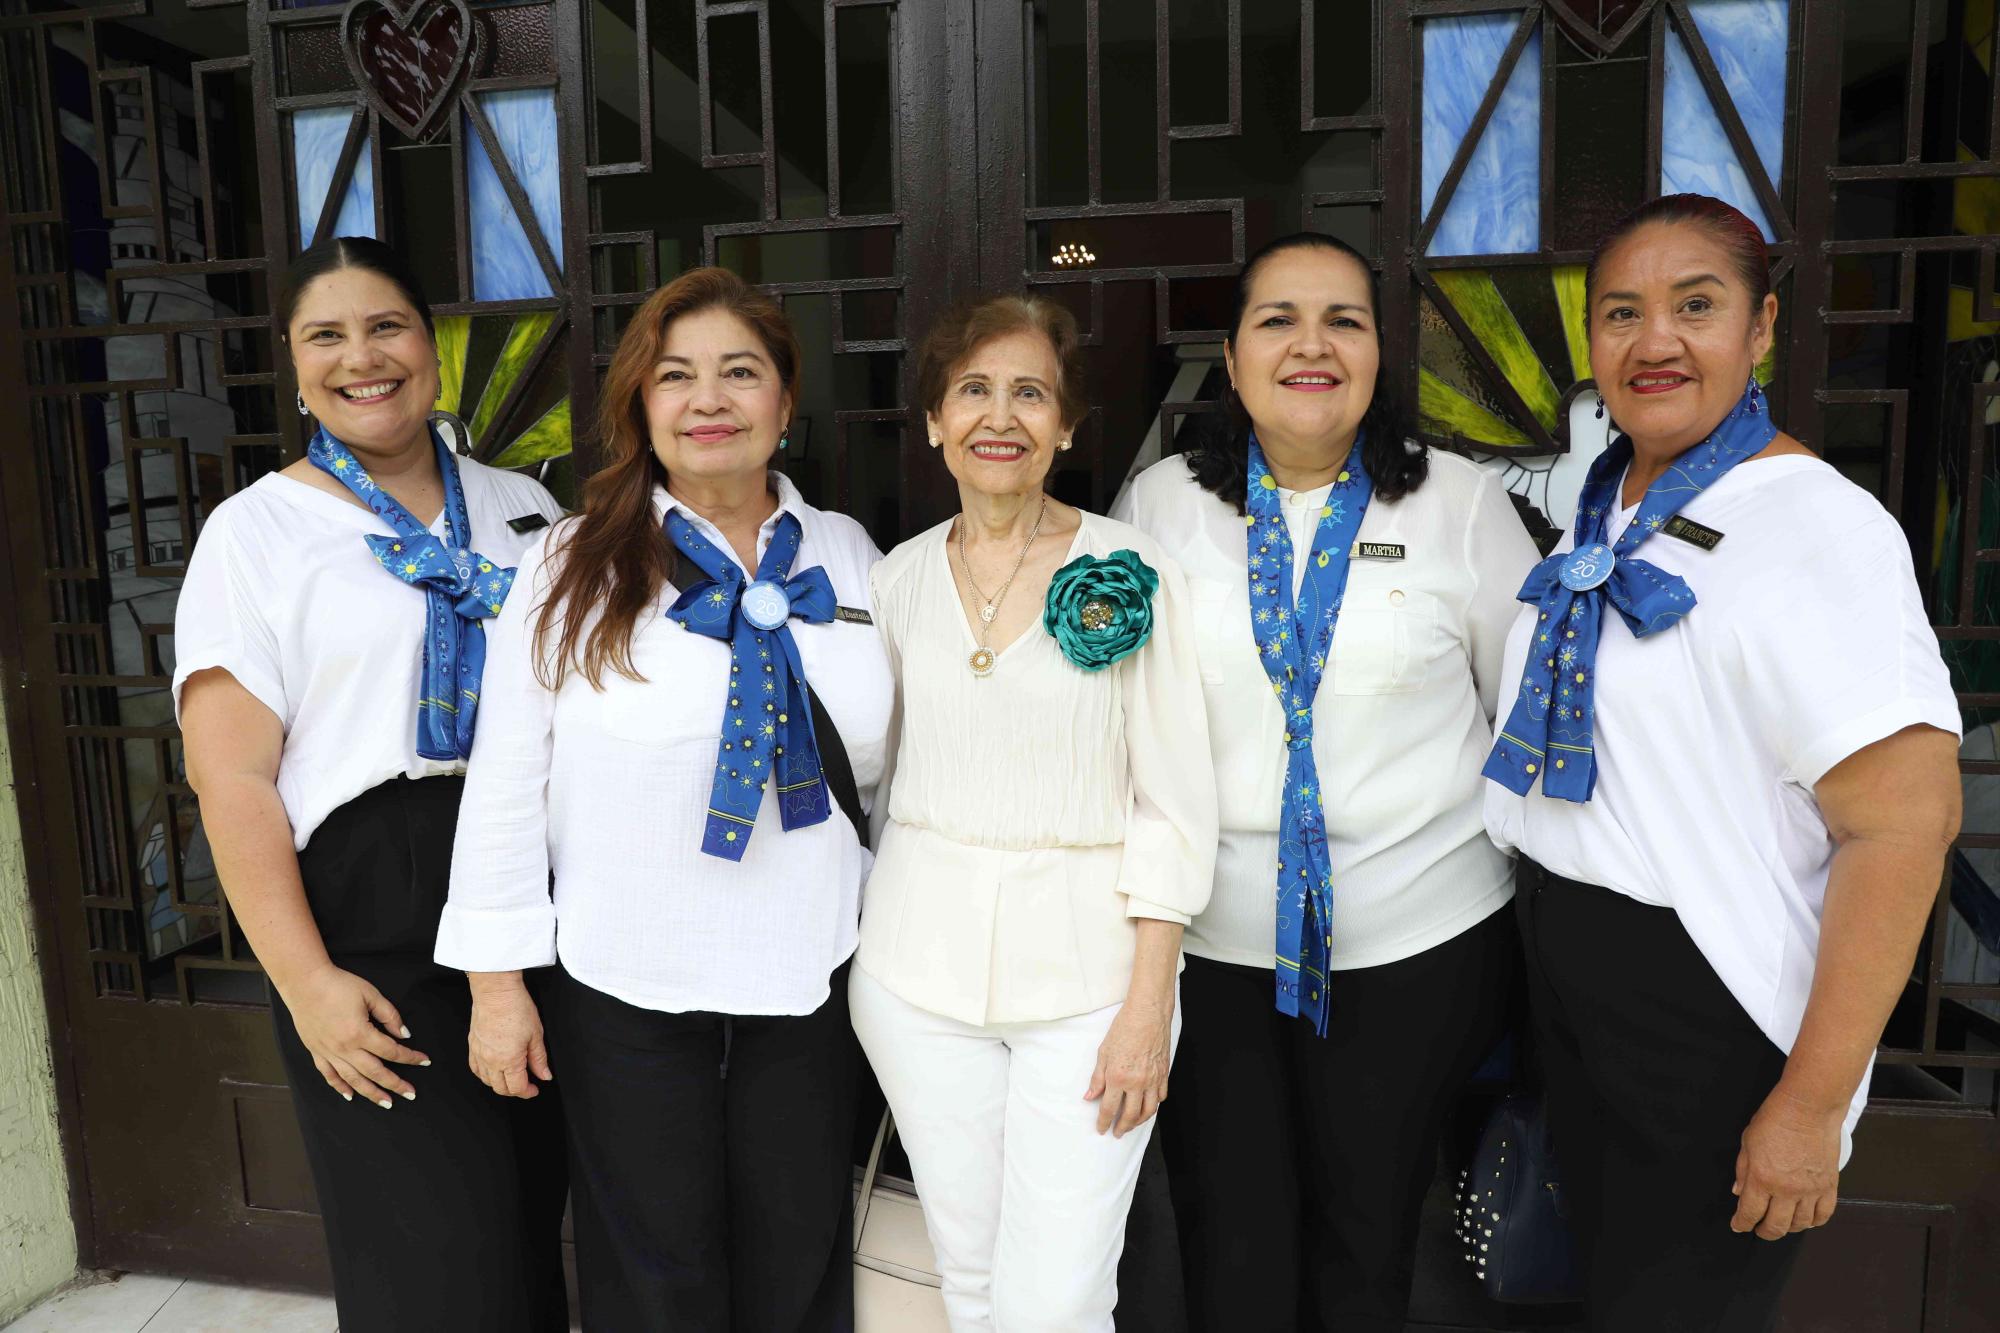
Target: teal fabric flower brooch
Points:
(1101, 611)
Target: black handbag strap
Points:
(834, 764)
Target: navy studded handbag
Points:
(1512, 1223)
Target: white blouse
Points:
(1808, 641)
(608, 789)
(1035, 811)
(1402, 722)
(283, 593)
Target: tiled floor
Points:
(130, 1302)
(891, 1296)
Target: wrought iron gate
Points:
(548, 162)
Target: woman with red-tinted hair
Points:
(685, 715)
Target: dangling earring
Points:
(1600, 407)
(302, 404)
(1756, 394)
(784, 437)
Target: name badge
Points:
(1377, 551)
(1693, 533)
(528, 522)
(852, 615)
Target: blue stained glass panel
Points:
(504, 267)
(1497, 207)
(318, 134)
(1747, 40)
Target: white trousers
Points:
(1028, 1238)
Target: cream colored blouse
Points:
(1032, 813)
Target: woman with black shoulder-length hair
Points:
(1351, 593)
(1729, 765)
(689, 707)
(328, 658)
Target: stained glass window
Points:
(1496, 208)
(1747, 40)
(318, 134)
(504, 265)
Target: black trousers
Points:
(1653, 1070)
(711, 1157)
(1299, 1164)
(443, 1213)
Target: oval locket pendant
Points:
(981, 662)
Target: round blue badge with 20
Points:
(765, 604)
(1587, 567)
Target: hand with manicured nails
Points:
(1788, 1170)
(347, 1025)
(504, 1047)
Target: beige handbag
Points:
(896, 1286)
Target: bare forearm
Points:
(252, 841)
(1155, 962)
(1878, 899)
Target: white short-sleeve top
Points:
(1035, 811)
(1402, 722)
(1808, 641)
(284, 594)
(607, 790)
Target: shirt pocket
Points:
(1382, 642)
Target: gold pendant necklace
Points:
(983, 657)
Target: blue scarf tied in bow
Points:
(1549, 733)
(463, 588)
(767, 721)
(1295, 643)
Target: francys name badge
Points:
(1693, 533)
(852, 615)
(528, 522)
(1377, 551)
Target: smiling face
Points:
(1674, 334)
(715, 405)
(999, 421)
(1304, 357)
(366, 365)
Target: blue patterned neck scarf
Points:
(1549, 732)
(462, 586)
(767, 719)
(1295, 644)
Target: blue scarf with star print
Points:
(1295, 642)
(767, 719)
(462, 588)
(1549, 732)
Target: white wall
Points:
(37, 1245)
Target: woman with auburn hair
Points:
(1050, 830)
(686, 716)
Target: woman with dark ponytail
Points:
(1352, 593)
(1729, 765)
(330, 648)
